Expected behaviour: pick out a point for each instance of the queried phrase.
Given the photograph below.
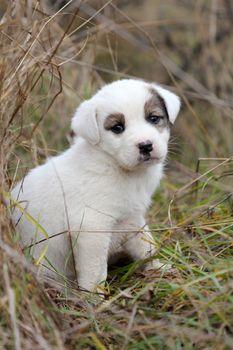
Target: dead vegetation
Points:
(55, 54)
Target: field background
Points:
(53, 55)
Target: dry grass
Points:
(50, 60)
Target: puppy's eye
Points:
(118, 128)
(154, 119)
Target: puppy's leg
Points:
(91, 253)
(140, 245)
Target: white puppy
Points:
(102, 184)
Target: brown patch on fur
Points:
(113, 119)
(155, 105)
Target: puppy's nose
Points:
(145, 147)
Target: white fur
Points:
(97, 186)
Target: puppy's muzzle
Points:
(145, 148)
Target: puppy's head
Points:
(130, 121)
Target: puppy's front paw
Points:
(156, 264)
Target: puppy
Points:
(96, 193)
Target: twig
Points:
(162, 229)
(11, 300)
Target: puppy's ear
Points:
(84, 122)
(172, 102)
